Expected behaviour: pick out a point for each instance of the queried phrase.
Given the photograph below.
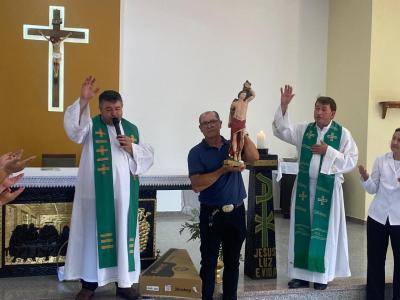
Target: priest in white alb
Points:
(318, 250)
(103, 244)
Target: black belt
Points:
(216, 209)
(224, 208)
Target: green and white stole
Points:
(105, 211)
(310, 240)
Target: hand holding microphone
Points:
(115, 121)
(124, 141)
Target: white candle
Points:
(261, 140)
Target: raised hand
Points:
(5, 158)
(9, 182)
(11, 162)
(88, 90)
(7, 196)
(16, 164)
(363, 172)
(286, 95)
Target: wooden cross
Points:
(302, 195)
(332, 137)
(323, 200)
(56, 34)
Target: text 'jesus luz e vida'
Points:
(265, 258)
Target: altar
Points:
(35, 227)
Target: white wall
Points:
(349, 81)
(180, 58)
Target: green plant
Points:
(192, 225)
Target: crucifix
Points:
(56, 34)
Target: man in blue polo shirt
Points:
(222, 213)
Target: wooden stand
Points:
(260, 253)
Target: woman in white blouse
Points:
(383, 219)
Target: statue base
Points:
(234, 163)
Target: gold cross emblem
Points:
(332, 137)
(102, 150)
(310, 135)
(323, 200)
(103, 169)
(100, 133)
(302, 195)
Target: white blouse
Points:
(383, 182)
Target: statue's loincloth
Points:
(237, 125)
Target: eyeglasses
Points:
(211, 122)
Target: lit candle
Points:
(261, 140)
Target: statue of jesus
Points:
(56, 42)
(237, 120)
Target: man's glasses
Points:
(211, 122)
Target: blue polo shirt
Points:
(229, 188)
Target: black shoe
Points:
(320, 286)
(298, 283)
(127, 293)
(84, 294)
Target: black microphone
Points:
(115, 121)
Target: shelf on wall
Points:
(388, 104)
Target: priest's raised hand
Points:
(88, 91)
(286, 96)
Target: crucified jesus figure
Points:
(237, 120)
(56, 42)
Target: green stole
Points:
(310, 241)
(105, 211)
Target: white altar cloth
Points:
(66, 177)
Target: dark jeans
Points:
(377, 244)
(230, 230)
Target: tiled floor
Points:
(167, 236)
